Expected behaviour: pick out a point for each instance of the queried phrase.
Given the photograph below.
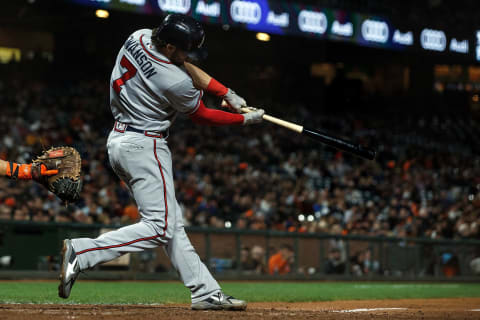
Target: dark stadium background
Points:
(419, 108)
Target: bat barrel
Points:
(344, 145)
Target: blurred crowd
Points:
(425, 182)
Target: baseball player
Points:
(149, 86)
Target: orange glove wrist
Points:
(24, 171)
(19, 171)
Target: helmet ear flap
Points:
(198, 37)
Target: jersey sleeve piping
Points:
(198, 104)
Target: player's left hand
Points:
(253, 117)
(234, 101)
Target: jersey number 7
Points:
(130, 73)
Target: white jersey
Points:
(146, 89)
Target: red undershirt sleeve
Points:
(216, 88)
(213, 117)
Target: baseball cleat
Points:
(69, 269)
(220, 301)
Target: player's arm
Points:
(203, 81)
(185, 98)
(213, 117)
(24, 171)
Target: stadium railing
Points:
(31, 250)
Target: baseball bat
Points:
(329, 140)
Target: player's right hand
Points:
(234, 101)
(253, 117)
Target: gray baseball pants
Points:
(144, 163)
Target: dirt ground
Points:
(467, 308)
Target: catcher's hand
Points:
(58, 169)
(41, 171)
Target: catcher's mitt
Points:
(66, 184)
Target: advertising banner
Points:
(295, 18)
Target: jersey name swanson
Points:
(135, 49)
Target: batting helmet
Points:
(180, 30)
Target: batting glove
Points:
(253, 117)
(234, 101)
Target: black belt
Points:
(121, 127)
